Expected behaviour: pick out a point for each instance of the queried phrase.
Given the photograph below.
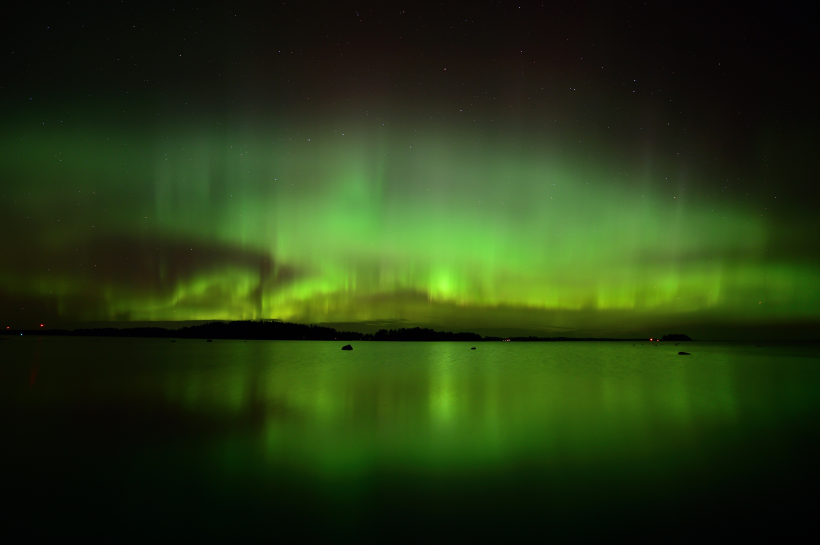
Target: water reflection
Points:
(556, 426)
(440, 404)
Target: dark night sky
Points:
(585, 168)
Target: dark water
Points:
(135, 437)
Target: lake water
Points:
(395, 439)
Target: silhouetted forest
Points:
(274, 330)
(419, 334)
(676, 337)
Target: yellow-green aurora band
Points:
(346, 223)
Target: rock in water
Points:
(473, 348)
(209, 341)
(684, 354)
(347, 347)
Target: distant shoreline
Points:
(273, 330)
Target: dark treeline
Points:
(274, 330)
(676, 337)
(247, 330)
(419, 334)
(549, 339)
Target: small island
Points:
(676, 337)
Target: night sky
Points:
(623, 169)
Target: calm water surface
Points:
(402, 439)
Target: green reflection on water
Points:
(436, 405)
(566, 423)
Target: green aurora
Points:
(347, 223)
(534, 169)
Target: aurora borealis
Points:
(581, 171)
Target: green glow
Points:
(382, 225)
(458, 410)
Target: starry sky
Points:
(579, 169)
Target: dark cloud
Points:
(149, 267)
(147, 264)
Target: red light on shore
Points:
(650, 339)
(41, 325)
